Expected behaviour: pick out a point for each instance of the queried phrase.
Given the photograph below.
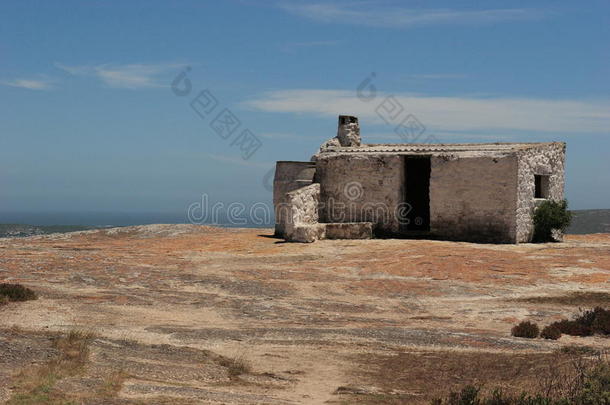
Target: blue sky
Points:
(89, 121)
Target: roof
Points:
(475, 149)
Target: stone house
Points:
(469, 192)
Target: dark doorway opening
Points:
(417, 193)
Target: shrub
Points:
(550, 332)
(549, 216)
(525, 329)
(572, 328)
(16, 292)
(596, 320)
(601, 323)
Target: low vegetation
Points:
(595, 321)
(526, 329)
(70, 374)
(112, 385)
(15, 292)
(35, 385)
(550, 332)
(583, 382)
(587, 323)
(421, 377)
(236, 366)
(577, 350)
(576, 298)
(550, 216)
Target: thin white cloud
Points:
(449, 113)
(376, 15)
(74, 70)
(240, 162)
(126, 76)
(30, 84)
(389, 136)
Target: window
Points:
(541, 189)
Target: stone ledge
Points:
(349, 230)
(307, 233)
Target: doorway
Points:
(417, 193)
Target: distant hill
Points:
(590, 221)
(20, 230)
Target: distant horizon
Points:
(129, 218)
(105, 218)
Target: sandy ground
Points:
(314, 320)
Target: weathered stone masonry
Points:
(469, 192)
(546, 161)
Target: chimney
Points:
(348, 131)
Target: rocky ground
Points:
(193, 314)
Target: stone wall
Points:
(301, 224)
(548, 160)
(361, 188)
(474, 198)
(289, 176)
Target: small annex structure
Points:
(468, 192)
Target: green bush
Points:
(16, 292)
(549, 216)
(550, 332)
(525, 329)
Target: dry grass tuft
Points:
(74, 348)
(113, 383)
(236, 366)
(35, 385)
